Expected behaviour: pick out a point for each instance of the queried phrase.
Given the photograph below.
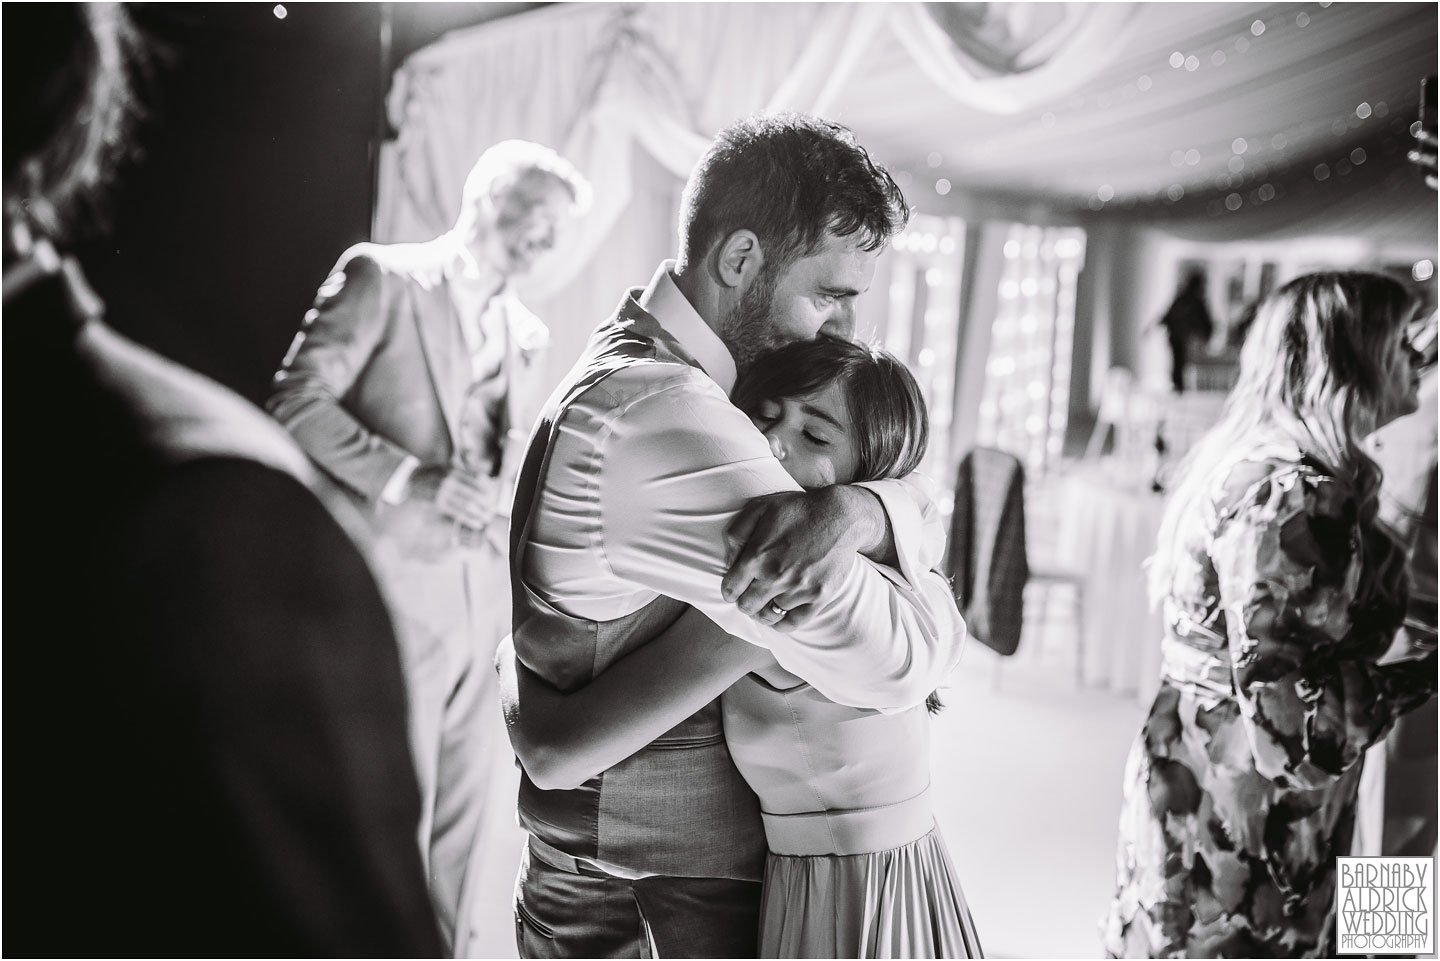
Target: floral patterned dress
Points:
(1240, 790)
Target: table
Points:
(1107, 528)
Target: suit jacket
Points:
(206, 741)
(380, 369)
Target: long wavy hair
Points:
(1313, 372)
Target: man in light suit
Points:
(413, 383)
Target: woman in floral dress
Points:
(1280, 590)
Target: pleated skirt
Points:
(900, 903)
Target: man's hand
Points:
(785, 548)
(462, 496)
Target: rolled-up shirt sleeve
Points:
(679, 461)
(915, 522)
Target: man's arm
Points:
(339, 335)
(678, 463)
(564, 738)
(778, 542)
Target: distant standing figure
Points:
(1281, 590)
(409, 384)
(1186, 322)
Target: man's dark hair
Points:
(791, 179)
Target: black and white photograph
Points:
(720, 479)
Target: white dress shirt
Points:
(483, 327)
(650, 465)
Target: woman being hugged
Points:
(1280, 590)
(857, 867)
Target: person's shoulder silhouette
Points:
(206, 735)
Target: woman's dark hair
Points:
(69, 105)
(887, 409)
(790, 178)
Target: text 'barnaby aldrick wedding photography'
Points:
(1385, 905)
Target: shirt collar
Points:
(664, 301)
(459, 261)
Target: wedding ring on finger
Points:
(777, 610)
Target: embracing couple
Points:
(727, 626)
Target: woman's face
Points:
(1400, 379)
(812, 436)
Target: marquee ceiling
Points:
(1287, 118)
(1202, 100)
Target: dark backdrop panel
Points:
(254, 169)
(255, 172)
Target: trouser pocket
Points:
(524, 917)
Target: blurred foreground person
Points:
(1281, 590)
(1405, 813)
(1400, 777)
(205, 748)
(413, 383)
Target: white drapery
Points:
(1059, 61)
(596, 80)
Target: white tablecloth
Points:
(1107, 530)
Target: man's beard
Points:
(747, 329)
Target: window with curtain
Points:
(1026, 397)
(923, 317)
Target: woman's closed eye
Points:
(816, 439)
(768, 413)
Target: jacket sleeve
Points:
(337, 340)
(1290, 567)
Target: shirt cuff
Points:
(394, 490)
(915, 523)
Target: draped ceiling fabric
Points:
(599, 80)
(1039, 111)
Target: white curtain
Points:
(596, 80)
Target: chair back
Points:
(1209, 374)
(986, 559)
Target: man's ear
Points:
(739, 259)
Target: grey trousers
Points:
(559, 914)
(449, 617)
